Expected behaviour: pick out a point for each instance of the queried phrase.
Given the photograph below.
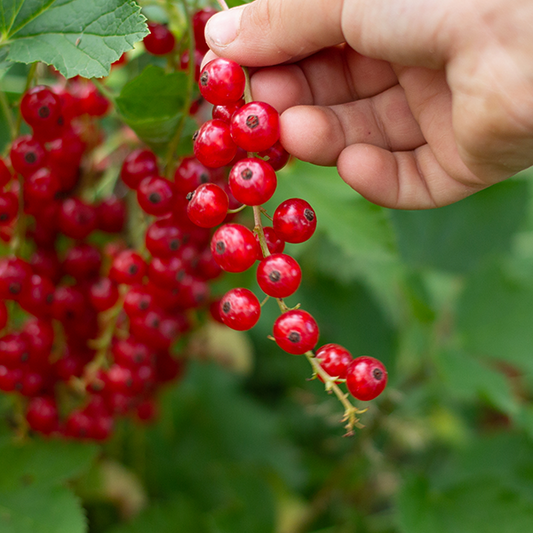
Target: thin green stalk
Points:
(8, 113)
(173, 145)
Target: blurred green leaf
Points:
(494, 317)
(75, 36)
(154, 119)
(32, 498)
(458, 237)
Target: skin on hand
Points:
(419, 103)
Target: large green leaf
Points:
(152, 105)
(486, 487)
(32, 496)
(458, 237)
(494, 317)
(77, 37)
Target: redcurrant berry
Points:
(366, 378)
(160, 40)
(137, 166)
(294, 220)
(334, 359)
(222, 81)
(156, 195)
(213, 144)
(208, 205)
(240, 309)
(234, 247)
(128, 267)
(279, 275)
(296, 332)
(255, 126)
(252, 181)
(274, 243)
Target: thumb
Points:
(269, 32)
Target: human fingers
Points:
(332, 76)
(318, 134)
(402, 180)
(270, 32)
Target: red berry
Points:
(252, 181)
(138, 165)
(40, 107)
(165, 273)
(42, 414)
(190, 174)
(131, 353)
(41, 187)
(9, 205)
(27, 155)
(234, 247)
(240, 309)
(76, 219)
(199, 20)
(255, 126)
(69, 304)
(334, 359)
(213, 144)
(294, 220)
(14, 350)
(103, 294)
(208, 205)
(15, 274)
(82, 262)
(156, 195)
(138, 301)
(5, 173)
(279, 275)
(40, 337)
(3, 315)
(276, 156)
(128, 267)
(225, 112)
(366, 378)
(275, 245)
(37, 297)
(163, 238)
(222, 81)
(296, 332)
(78, 425)
(160, 40)
(111, 214)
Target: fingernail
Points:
(222, 28)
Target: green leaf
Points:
(486, 487)
(152, 104)
(458, 237)
(75, 36)
(494, 317)
(32, 495)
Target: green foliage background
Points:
(443, 297)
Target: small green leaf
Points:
(458, 237)
(75, 36)
(152, 104)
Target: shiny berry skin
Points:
(213, 144)
(42, 415)
(69, 304)
(14, 350)
(190, 174)
(163, 238)
(156, 195)
(40, 107)
(138, 301)
(9, 206)
(240, 309)
(37, 297)
(234, 247)
(294, 220)
(225, 112)
(279, 275)
(40, 337)
(252, 181)
(255, 126)
(199, 20)
(128, 267)
(274, 243)
(222, 81)
(76, 219)
(138, 165)
(208, 205)
(27, 155)
(41, 187)
(131, 353)
(167, 273)
(15, 274)
(366, 378)
(45, 263)
(159, 41)
(296, 332)
(111, 214)
(334, 359)
(82, 262)
(103, 294)
(276, 156)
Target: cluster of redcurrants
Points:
(237, 131)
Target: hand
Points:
(419, 103)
